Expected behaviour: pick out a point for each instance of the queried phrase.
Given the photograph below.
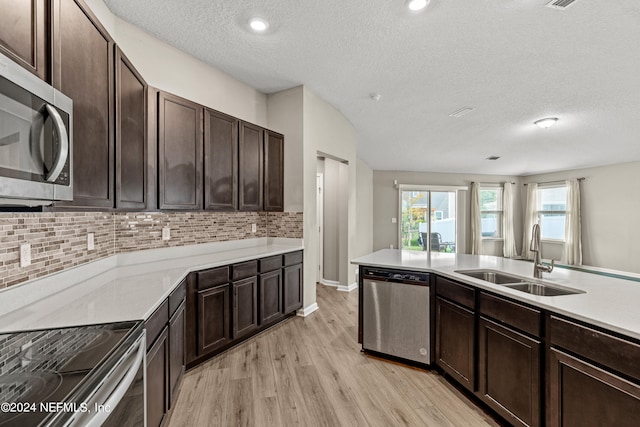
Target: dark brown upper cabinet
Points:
(250, 152)
(273, 171)
(220, 161)
(179, 153)
(131, 135)
(83, 70)
(24, 34)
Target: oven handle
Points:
(117, 395)
(63, 151)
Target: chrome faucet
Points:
(536, 247)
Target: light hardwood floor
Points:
(310, 372)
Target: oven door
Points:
(120, 398)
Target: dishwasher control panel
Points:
(396, 275)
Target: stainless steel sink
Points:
(492, 276)
(543, 289)
(519, 283)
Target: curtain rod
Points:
(496, 183)
(559, 181)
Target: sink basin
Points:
(492, 276)
(543, 289)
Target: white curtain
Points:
(476, 223)
(572, 253)
(530, 218)
(508, 232)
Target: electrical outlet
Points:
(254, 228)
(390, 246)
(394, 220)
(25, 255)
(166, 233)
(90, 242)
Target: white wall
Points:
(364, 209)
(285, 115)
(385, 205)
(326, 131)
(610, 201)
(177, 72)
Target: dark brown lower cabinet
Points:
(455, 341)
(270, 296)
(176, 350)
(158, 380)
(245, 306)
(214, 319)
(509, 378)
(582, 394)
(293, 287)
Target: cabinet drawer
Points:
(456, 292)
(292, 258)
(521, 317)
(176, 297)
(156, 323)
(616, 353)
(213, 277)
(244, 270)
(270, 264)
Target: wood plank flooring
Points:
(310, 372)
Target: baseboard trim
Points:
(349, 288)
(328, 282)
(304, 312)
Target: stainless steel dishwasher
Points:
(396, 314)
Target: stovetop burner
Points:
(27, 387)
(64, 346)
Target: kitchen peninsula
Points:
(533, 359)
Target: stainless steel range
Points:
(80, 376)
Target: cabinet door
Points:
(220, 161)
(131, 135)
(214, 319)
(176, 350)
(292, 288)
(270, 296)
(245, 307)
(582, 394)
(455, 341)
(24, 34)
(157, 378)
(250, 152)
(83, 70)
(180, 153)
(273, 171)
(509, 373)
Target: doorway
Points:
(427, 220)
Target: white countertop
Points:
(608, 302)
(122, 287)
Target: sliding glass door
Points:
(428, 220)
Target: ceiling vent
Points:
(560, 4)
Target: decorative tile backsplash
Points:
(59, 240)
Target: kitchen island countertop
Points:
(122, 287)
(608, 302)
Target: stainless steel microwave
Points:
(36, 142)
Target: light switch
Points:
(90, 242)
(394, 220)
(254, 228)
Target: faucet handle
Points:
(553, 264)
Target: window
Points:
(552, 212)
(491, 212)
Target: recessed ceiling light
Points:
(492, 158)
(416, 5)
(375, 96)
(258, 25)
(546, 122)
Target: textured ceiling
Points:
(513, 61)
